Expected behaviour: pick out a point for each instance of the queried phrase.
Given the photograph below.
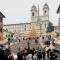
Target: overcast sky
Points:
(18, 11)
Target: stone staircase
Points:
(23, 43)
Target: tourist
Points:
(43, 54)
(29, 56)
(3, 56)
(35, 55)
(39, 55)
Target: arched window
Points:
(45, 11)
(33, 14)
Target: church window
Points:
(25, 25)
(30, 27)
(33, 14)
(45, 11)
(25, 28)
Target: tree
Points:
(33, 31)
(50, 27)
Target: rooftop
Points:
(1, 15)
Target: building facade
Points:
(1, 26)
(37, 25)
(58, 12)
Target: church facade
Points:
(37, 25)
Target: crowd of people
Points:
(31, 54)
(43, 39)
(5, 54)
(36, 54)
(39, 54)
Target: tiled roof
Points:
(1, 15)
(58, 9)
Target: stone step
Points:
(16, 45)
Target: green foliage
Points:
(50, 27)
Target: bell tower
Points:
(33, 18)
(33, 14)
(1, 26)
(46, 10)
(33, 11)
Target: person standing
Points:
(43, 54)
(29, 57)
(52, 55)
(35, 56)
(39, 55)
